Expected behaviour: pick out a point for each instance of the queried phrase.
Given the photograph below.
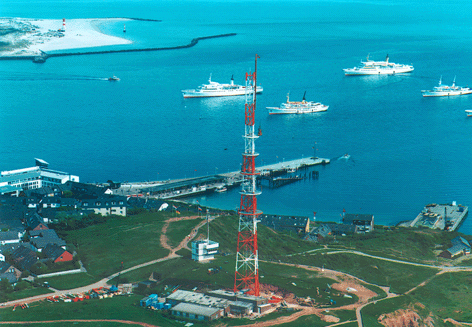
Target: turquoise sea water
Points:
(406, 151)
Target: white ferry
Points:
(371, 67)
(297, 107)
(214, 89)
(446, 90)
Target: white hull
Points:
(445, 94)
(219, 93)
(377, 71)
(371, 67)
(301, 110)
(445, 90)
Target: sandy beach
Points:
(27, 37)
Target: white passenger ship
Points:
(297, 107)
(446, 90)
(371, 67)
(214, 89)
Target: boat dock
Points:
(187, 187)
(440, 216)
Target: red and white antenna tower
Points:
(63, 24)
(246, 275)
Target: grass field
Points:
(75, 324)
(122, 307)
(448, 295)
(33, 291)
(132, 240)
(400, 277)
(371, 312)
(71, 281)
(178, 230)
(400, 243)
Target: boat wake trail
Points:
(345, 158)
(9, 76)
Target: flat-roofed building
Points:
(241, 308)
(204, 250)
(33, 178)
(197, 312)
(181, 296)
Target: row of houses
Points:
(351, 224)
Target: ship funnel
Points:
(232, 80)
(304, 96)
(386, 59)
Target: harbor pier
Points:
(440, 216)
(187, 187)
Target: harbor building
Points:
(14, 181)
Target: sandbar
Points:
(29, 37)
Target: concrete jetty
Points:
(197, 185)
(44, 56)
(440, 216)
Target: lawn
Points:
(29, 292)
(122, 307)
(179, 230)
(400, 277)
(416, 245)
(448, 295)
(75, 324)
(71, 281)
(372, 312)
(131, 241)
(272, 245)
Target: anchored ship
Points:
(371, 67)
(297, 107)
(446, 90)
(214, 89)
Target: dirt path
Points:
(184, 244)
(103, 282)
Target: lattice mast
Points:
(247, 267)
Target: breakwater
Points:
(44, 56)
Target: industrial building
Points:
(198, 312)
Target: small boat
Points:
(469, 113)
(371, 67)
(297, 107)
(113, 78)
(446, 90)
(214, 89)
(221, 189)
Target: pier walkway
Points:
(198, 185)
